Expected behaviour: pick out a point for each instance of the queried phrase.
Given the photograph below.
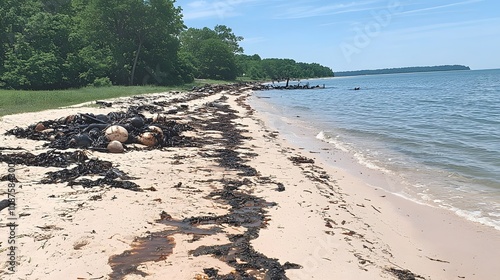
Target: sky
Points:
(359, 34)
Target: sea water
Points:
(437, 134)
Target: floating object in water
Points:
(116, 132)
(115, 147)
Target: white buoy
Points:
(148, 139)
(115, 147)
(117, 133)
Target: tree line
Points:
(57, 44)
(403, 70)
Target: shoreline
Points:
(438, 230)
(421, 178)
(241, 201)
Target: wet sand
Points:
(239, 202)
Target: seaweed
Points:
(246, 210)
(404, 274)
(300, 160)
(85, 166)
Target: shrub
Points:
(102, 82)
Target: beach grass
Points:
(22, 101)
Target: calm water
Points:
(438, 133)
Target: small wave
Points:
(478, 217)
(326, 137)
(360, 158)
(371, 165)
(302, 108)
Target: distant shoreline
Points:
(402, 70)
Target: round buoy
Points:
(39, 127)
(69, 119)
(147, 139)
(137, 122)
(115, 147)
(116, 132)
(155, 129)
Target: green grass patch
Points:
(21, 101)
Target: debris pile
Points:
(110, 132)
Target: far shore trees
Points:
(280, 70)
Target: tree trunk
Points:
(287, 81)
(135, 63)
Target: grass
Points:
(21, 101)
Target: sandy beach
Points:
(231, 200)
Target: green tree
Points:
(217, 60)
(281, 69)
(211, 53)
(35, 46)
(249, 65)
(226, 34)
(141, 37)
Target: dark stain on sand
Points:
(152, 248)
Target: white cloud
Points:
(440, 7)
(434, 30)
(214, 9)
(311, 10)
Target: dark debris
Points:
(404, 274)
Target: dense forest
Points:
(57, 44)
(403, 70)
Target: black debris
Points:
(300, 159)
(85, 166)
(404, 274)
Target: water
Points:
(438, 133)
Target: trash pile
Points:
(110, 132)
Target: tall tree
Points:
(226, 34)
(142, 37)
(35, 46)
(216, 60)
(281, 69)
(211, 52)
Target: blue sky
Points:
(360, 34)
